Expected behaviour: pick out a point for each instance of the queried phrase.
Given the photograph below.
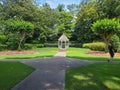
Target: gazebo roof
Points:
(63, 38)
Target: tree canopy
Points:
(73, 20)
(106, 28)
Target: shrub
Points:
(115, 41)
(51, 44)
(3, 47)
(39, 45)
(12, 45)
(35, 41)
(28, 46)
(31, 46)
(118, 50)
(97, 46)
(2, 38)
(75, 44)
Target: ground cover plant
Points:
(93, 77)
(38, 52)
(87, 54)
(12, 73)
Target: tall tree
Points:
(64, 24)
(73, 8)
(87, 15)
(106, 28)
(60, 7)
(22, 9)
(20, 28)
(111, 8)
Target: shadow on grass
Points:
(93, 77)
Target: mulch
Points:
(97, 53)
(17, 52)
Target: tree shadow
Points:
(93, 77)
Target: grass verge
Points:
(93, 77)
(42, 52)
(12, 73)
(81, 53)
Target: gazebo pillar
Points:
(61, 40)
(65, 44)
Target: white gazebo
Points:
(63, 42)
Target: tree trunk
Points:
(106, 39)
(107, 43)
(22, 36)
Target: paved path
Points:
(61, 53)
(49, 73)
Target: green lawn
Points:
(81, 53)
(93, 77)
(12, 73)
(42, 52)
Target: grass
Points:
(81, 53)
(42, 52)
(93, 77)
(12, 73)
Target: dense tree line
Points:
(48, 24)
(91, 11)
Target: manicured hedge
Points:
(55, 44)
(31, 46)
(97, 46)
(51, 44)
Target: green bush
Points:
(28, 46)
(97, 46)
(12, 45)
(35, 41)
(118, 50)
(115, 41)
(39, 45)
(51, 44)
(31, 46)
(74, 44)
(2, 38)
(3, 47)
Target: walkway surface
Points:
(49, 73)
(61, 53)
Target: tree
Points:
(106, 28)
(73, 8)
(64, 24)
(44, 21)
(22, 29)
(87, 15)
(111, 8)
(21, 9)
(60, 7)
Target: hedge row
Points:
(71, 44)
(31, 46)
(96, 46)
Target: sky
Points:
(54, 3)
